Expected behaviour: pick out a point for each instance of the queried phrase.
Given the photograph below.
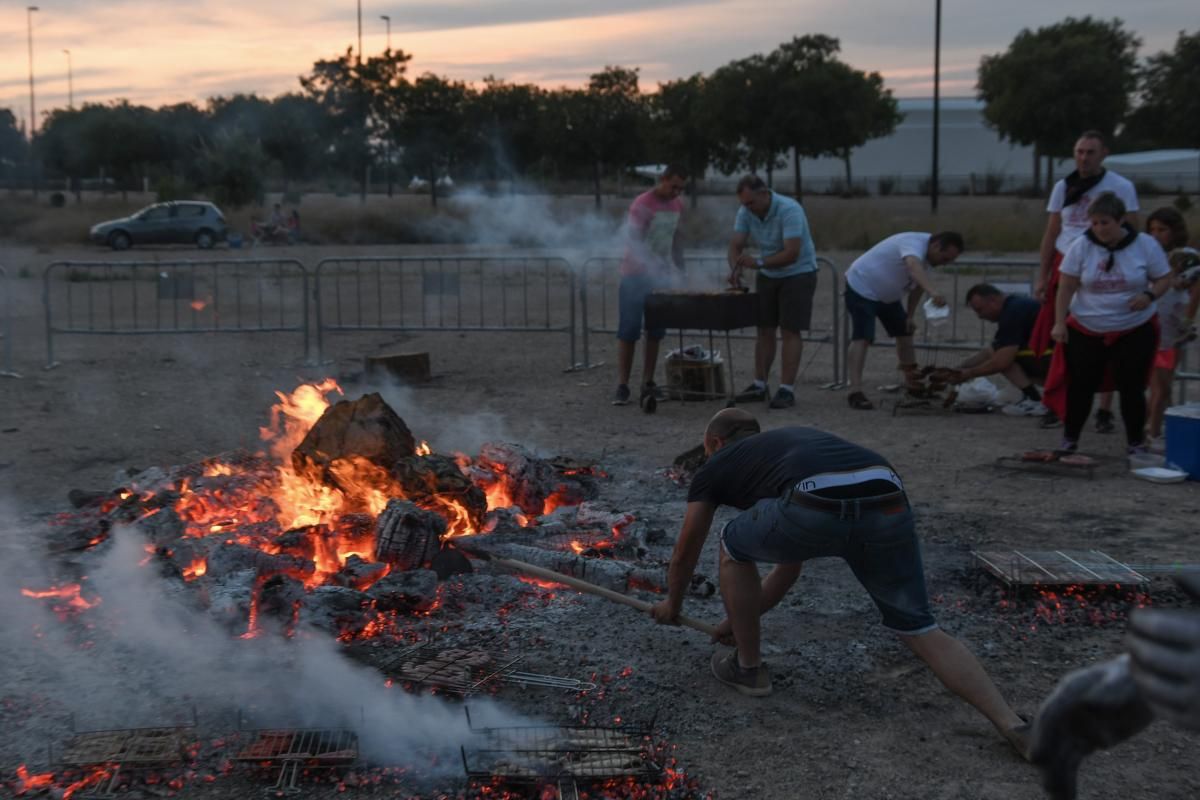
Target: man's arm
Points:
(737, 246)
(1067, 286)
(916, 271)
(677, 250)
(914, 300)
(975, 360)
(696, 522)
(997, 361)
(1046, 254)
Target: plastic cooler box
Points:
(1182, 432)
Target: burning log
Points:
(366, 428)
(407, 536)
(359, 574)
(415, 590)
(423, 476)
(228, 558)
(336, 609)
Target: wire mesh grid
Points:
(466, 669)
(315, 747)
(131, 747)
(541, 753)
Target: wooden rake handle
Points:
(590, 588)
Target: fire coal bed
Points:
(345, 523)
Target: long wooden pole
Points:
(591, 588)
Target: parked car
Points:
(188, 222)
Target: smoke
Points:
(151, 654)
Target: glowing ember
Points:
(423, 449)
(27, 782)
(70, 595)
(194, 570)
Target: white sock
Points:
(759, 384)
(785, 387)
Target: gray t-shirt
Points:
(767, 464)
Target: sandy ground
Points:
(853, 715)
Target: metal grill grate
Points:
(314, 747)
(466, 669)
(1057, 568)
(539, 754)
(133, 747)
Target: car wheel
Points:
(120, 241)
(205, 239)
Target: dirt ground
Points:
(853, 715)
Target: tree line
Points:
(354, 118)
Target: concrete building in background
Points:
(974, 159)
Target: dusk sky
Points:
(170, 50)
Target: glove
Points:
(1165, 645)
(1090, 709)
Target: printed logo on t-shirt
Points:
(1110, 281)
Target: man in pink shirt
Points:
(652, 256)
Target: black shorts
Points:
(1035, 368)
(785, 302)
(863, 313)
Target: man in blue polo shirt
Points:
(787, 278)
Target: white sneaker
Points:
(1025, 408)
(1156, 444)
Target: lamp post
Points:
(32, 113)
(32, 110)
(360, 31)
(70, 83)
(388, 21)
(937, 77)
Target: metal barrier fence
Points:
(6, 358)
(511, 294)
(123, 298)
(601, 278)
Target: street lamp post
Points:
(360, 31)
(387, 137)
(937, 78)
(70, 83)
(32, 113)
(32, 110)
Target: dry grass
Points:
(990, 224)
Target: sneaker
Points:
(1137, 450)
(1025, 408)
(1049, 420)
(1104, 421)
(1020, 737)
(1068, 446)
(754, 682)
(752, 394)
(782, 399)
(1156, 444)
(652, 389)
(621, 397)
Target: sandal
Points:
(859, 402)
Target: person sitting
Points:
(1009, 354)
(293, 227)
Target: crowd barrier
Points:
(123, 298)
(513, 294)
(598, 298)
(6, 357)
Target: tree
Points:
(359, 99)
(12, 143)
(741, 108)
(680, 132)
(236, 167)
(1169, 112)
(610, 119)
(294, 133)
(1055, 82)
(509, 118)
(433, 127)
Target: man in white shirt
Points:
(1067, 221)
(876, 283)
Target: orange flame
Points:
(29, 782)
(423, 449)
(198, 567)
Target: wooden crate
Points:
(695, 380)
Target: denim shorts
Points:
(879, 544)
(631, 307)
(863, 313)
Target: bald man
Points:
(809, 494)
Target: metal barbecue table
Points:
(710, 311)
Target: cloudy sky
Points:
(156, 51)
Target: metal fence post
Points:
(585, 321)
(6, 357)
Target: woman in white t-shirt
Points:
(1110, 279)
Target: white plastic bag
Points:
(978, 392)
(935, 315)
